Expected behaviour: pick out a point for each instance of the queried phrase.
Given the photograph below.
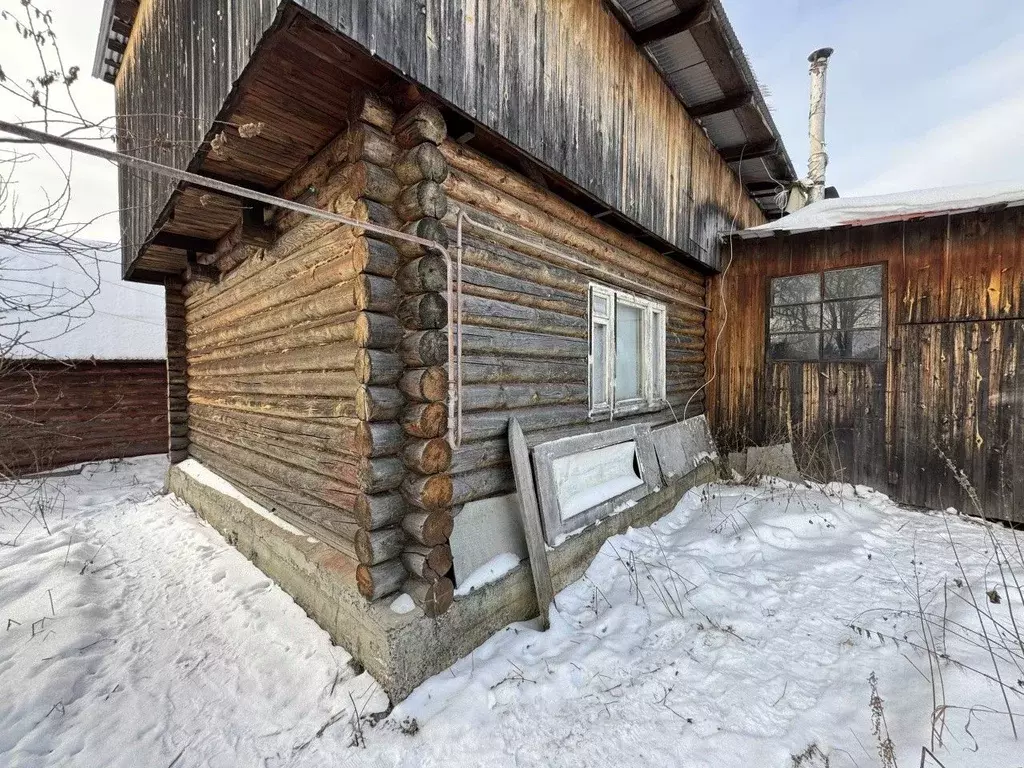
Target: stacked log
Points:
(273, 349)
(423, 313)
(380, 541)
(177, 385)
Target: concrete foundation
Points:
(399, 650)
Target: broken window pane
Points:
(853, 283)
(799, 289)
(796, 317)
(628, 336)
(793, 346)
(852, 345)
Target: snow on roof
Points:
(879, 209)
(56, 305)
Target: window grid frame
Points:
(821, 332)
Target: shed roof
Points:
(900, 206)
(78, 308)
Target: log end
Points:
(434, 598)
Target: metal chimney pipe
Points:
(819, 158)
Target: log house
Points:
(316, 367)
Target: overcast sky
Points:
(921, 93)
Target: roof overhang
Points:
(115, 29)
(693, 45)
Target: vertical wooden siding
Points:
(179, 68)
(563, 81)
(63, 413)
(953, 299)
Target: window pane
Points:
(793, 346)
(797, 317)
(600, 305)
(599, 371)
(851, 283)
(799, 289)
(857, 313)
(851, 345)
(628, 326)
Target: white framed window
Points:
(627, 352)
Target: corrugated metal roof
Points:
(694, 46)
(115, 25)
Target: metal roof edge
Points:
(755, 86)
(103, 39)
(755, 233)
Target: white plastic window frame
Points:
(651, 355)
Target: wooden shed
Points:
(884, 337)
(82, 369)
(564, 170)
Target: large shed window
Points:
(830, 315)
(627, 351)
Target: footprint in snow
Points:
(218, 577)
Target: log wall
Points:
(944, 394)
(318, 364)
(525, 318)
(55, 413)
(280, 372)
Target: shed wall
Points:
(947, 385)
(54, 413)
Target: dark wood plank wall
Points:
(951, 374)
(563, 81)
(55, 413)
(525, 324)
(181, 62)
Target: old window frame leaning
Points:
(603, 306)
(870, 318)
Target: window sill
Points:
(632, 409)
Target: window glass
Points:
(853, 283)
(833, 315)
(598, 377)
(795, 317)
(628, 343)
(600, 305)
(856, 313)
(659, 354)
(793, 346)
(799, 289)
(851, 345)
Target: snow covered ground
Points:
(740, 630)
